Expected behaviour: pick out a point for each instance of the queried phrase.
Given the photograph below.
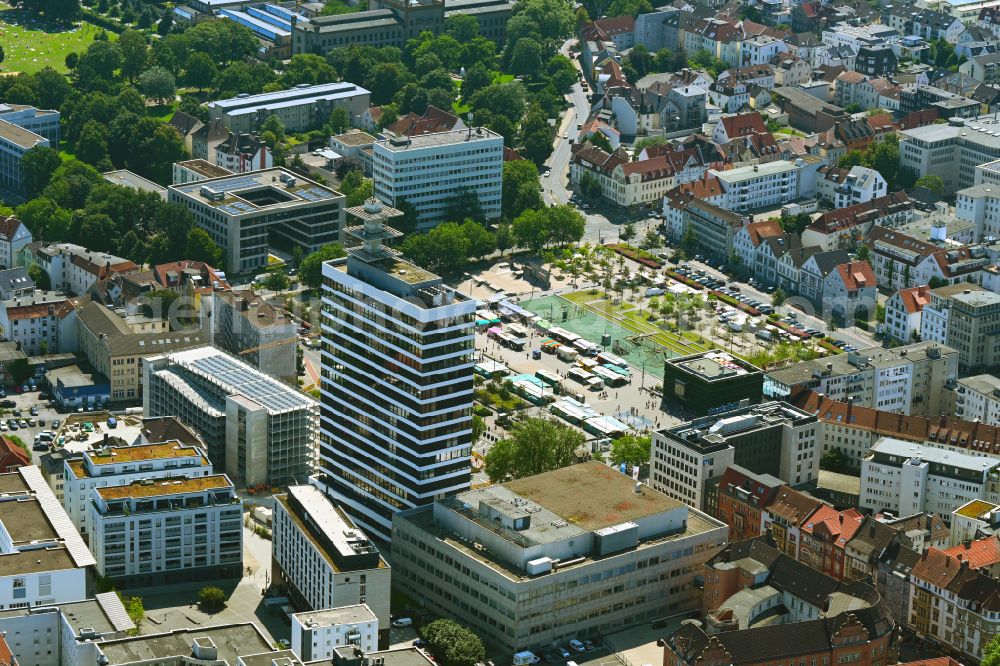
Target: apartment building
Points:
(241, 212)
(42, 322)
(974, 520)
(14, 143)
(980, 204)
(428, 170)
(953, 604)
(171, 529)
(259, 430)
(396, 423)
(116, 344)
(540, 560)
(906, 478)
(323, 561)
(951, 151)
(317, 634)
(258, 333)
(43, 560)
(762, 605)
(299, 109)
(977, 398)
(72, 268)
(760, 185)
(965, 317)
(850, 187)
(846, 228)
(770, 438)
(908, 380)
(712, 225)
(120, 466)
(741, 498)
(14, 235)
(902, 313)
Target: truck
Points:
(566, 353)
(525, 658)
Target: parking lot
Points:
(20, 411)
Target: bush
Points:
(211, 599)
(453, 643)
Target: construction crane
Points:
(275, 343)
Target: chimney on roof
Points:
(967, 544)
(923, 555)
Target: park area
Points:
(647, 331)
(30, 44)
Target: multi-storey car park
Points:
(245, 214)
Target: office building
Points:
(116, 345)
(245, 213)
(909, 379)
(257, 429)
(258, 333)
(771, 438)
(317, 634)
(396, 423)
(323, 561)
(965, 317)
(764, 606)
(63, 634)
(711, 382)
(951, 151)
(192, 171)
(170, 529)
(299, 109)
(43, 122)
(43, 560)
(14, 143)
(394, 22)
(573, 553)
(428, 170)
(234, 644)
(906, 478)
(120, 466)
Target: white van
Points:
(525, 658)
(402, 622)
(653, 291)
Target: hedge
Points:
(636, 255)
(683, 280)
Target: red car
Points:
(17, 389)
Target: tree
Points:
(71, 60)
(276, 281)
(132, 47)
(590, 186)
(134, 607)
(338, 122)
(157, 83)
(631, 450)
(201, 247)
(863, 253)
(54, 10)
(52, 88)
(165, 24)
(627, 232)
(464, 205)
(199, 70)
(212, 599)
(933, 183)
(535, 445)
(526, 58)
(311, 270)
(39, 277)
(2, 56)
(39, 164)
(530, 230)
(476, 78)
(463, 27)
(834, 460)
(778, 297)
(991, 653)
(444, 249)
(481, 242)
(522, 189)
(599, 140)
(453, 643)
(566, 224)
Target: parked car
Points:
(577, 645)
(402, 622)
(33, 411)
(55, 423)
(563, 652)
(7, 403)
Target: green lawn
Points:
(630, 318)
(162, 112)
(499, 78)
(31, 46)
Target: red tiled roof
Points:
(979, 553)
(616, 25)
(844, 218)
(12, 457)
(763, 229)
(743, 124)
(915, 298)
(856, 274)
(840, 525)
(851, 77)
(433, 120)
(9, 226)
(703, 188)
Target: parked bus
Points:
(606, 358)
(550, 378)
(579, 375)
